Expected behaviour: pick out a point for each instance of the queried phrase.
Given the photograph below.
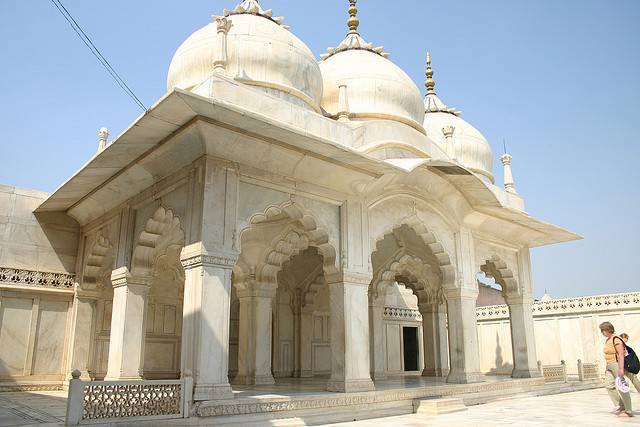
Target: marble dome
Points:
(261, 52)
(376, 88)
(470, 147)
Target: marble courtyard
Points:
(273, 222)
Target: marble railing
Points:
(588, 371)
(13, 277)
(90, 402)
(401, 313)
(554, 373)
(567, 305)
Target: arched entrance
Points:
(409, 258)
(523, 352)
(285, 258)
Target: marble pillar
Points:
(254, 346)
(126, 342)
(84, 311)
(349, 320)
(443, 335)
(304, 338)
(463, 335)
(435, 339)
(206, 318)
(523, 339)
(378, 346)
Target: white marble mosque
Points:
(271, 216)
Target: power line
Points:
(94, 50)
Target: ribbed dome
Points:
(470, 148)
(376, 88)
(260, 52)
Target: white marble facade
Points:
(272, 216)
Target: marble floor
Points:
(36, 408)
(589, 408)
(582, 408)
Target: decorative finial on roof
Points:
(252, 7)
(103, 135)
(432, 103)
(509, 184)
(353, 40)
(353, 21)
(429, 83)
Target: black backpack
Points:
(631, 362)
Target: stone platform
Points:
(304, 401)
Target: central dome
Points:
(260, 52)
(376, 88)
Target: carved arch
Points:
(496, 268)
(447, 269)
(275, 236)
(423, 281)
(99, 262)
(162, 233)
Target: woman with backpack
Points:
(614, 355)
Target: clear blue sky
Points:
(559, 80)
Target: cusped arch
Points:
(424, 282)
(99, 262)
(162, 233)
(447, 269)
(275, 236)
(497, 268)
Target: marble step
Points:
(438, 406)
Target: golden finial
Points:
(353, 21)
(430, 83)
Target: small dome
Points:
(470, 148)
(261, 53)
(376, 88)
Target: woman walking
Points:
(614, 355)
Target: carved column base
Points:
(431, 372)
(304, 374)
(350, 386)
(253, 380)
(212, 392)
(525, 373)
(123, 378)
(463, 377)
(379, 376)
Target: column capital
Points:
(425, 307)
(350, 277)
(87, 295)
(255, 289)
(519, 299)
(123, 277)
(460, 293)
(197, 255)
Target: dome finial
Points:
(353, 21)
(430, 83)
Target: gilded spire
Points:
(353, 40)
(432, 103)
(353, 21)
(430, 83)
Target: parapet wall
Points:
(565, 329)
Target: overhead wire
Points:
(96, 52)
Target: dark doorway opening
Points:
(410, 344)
